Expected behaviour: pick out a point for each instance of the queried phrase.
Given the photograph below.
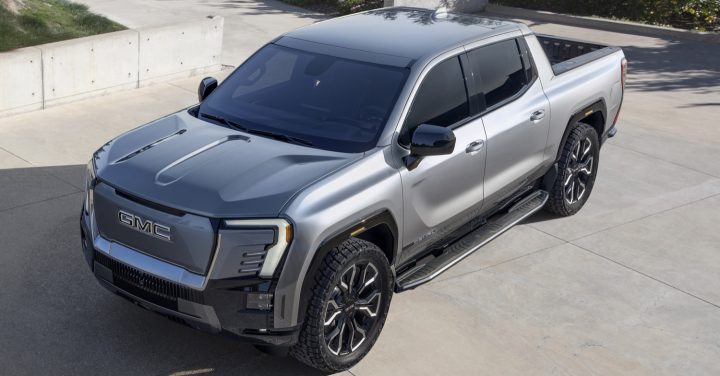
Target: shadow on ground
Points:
(541, 216)
(677, 65)
(691, 66)
(56, 319)
(267, 7)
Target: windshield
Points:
(327, 102)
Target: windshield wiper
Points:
(269, 134)
(229, 123)
(280, 137)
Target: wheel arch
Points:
(380, 229)
(594, 115)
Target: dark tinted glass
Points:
(527, 62)
(441, 99)
(498, 71)
(337, 104)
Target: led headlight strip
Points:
(275, 253)
(89, 186)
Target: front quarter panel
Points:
(369, 186)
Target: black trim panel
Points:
(598, 106)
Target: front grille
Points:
(146, 286)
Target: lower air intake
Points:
(146, 286)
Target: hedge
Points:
(686, 14)
(341, 6)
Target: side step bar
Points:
(471, 242)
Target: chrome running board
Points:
(471, 242)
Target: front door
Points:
(446, 191)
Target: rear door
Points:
(515, 112)
(445, 191)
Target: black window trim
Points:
(464, 67)
(522, 48)
(525, 51)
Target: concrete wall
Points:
(21, 81)
(50, 74)
(467, 6)
(181, 50)
(84, 67)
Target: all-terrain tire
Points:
(312, 347)
(568, 171)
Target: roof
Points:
(411, 33)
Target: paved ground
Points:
(628, 286)
(248, 23)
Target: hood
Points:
(202, 168)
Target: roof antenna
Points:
(441, 12)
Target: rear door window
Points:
(499, 72)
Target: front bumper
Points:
(241, 307)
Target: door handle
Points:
(537, 115)
(475, 146)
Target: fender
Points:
(365, 229)
(597, 107)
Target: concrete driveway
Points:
(630, 285)
(248, 23)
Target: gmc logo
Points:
(143, 225)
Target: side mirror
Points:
(207, 85)
(429, 140)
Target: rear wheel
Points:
(350, 301)
(577, 170)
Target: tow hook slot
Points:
(259, 301)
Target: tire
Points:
(577, 170)
(339, 307)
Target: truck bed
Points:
(568, 54)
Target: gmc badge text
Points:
(151, 228)
(329, 171)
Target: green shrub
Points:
(341, 6)
(312, 3)
(687, 14)
(353, 6)
(45, 21)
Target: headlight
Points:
(90, 178)
(284, 234)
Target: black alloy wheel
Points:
(352, 309)
(352, 291)
(577, 170)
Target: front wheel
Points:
(577, 170)
(350, 301)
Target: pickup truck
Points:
(341, 163)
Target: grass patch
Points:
(45, 21)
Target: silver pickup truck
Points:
(341, 163)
